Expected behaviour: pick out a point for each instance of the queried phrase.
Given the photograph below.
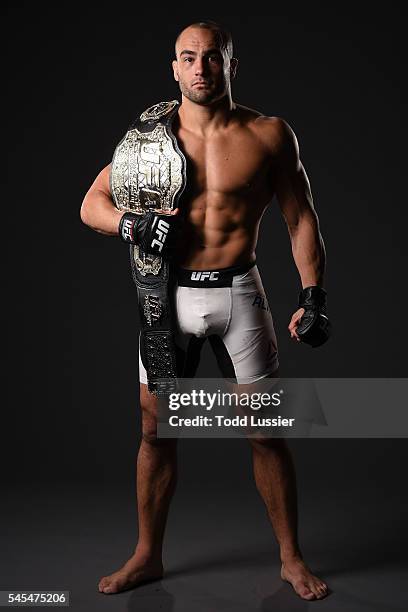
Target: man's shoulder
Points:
(274, 131)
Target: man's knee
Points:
(149, 405)
(262, 443)
(150, 434)
(151, 438)
(148, 409)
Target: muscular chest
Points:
(232, 165)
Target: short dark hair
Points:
(223, 35)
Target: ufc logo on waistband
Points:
(161, 232)
(203, 275)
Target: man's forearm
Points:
(308, 251)
(99, 213)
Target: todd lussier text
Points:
(221, 421)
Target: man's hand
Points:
(294, 322)
(156, 232)
(310, 323)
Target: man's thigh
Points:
(249, 343)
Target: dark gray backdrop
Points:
(77, 76)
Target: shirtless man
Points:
(238, 160)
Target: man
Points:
(237, 160)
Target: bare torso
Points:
(229, 185)
(233, 172)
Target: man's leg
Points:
(276, 482)
(156, 481)
(250, 349)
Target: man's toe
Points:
(306, 592)
(105, 586)
(107, 589)
(317, 589)
(322, 589)
(110, 587)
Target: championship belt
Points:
(148, 171)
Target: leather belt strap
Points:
(157, 347)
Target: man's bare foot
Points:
(136, 570)
(301, 578)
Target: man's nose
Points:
(200, 66)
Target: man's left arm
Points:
(295, 200)
(292, 189)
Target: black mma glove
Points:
(314, 327)
(155, 233)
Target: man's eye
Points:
(214, 58)
(188, 59)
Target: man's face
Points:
(202, 68)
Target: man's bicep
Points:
(102, 181)
(292, 189)
(291, 184)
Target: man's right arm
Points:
(155, 232)
(98, 210)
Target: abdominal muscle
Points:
(219, 231)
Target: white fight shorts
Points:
(229, 307)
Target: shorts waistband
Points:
(210, 278)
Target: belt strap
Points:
(157, 346)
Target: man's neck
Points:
(204, 120)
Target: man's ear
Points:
(233, 67)
(175, 70)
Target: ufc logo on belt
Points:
(203, 275)
(161, 232)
